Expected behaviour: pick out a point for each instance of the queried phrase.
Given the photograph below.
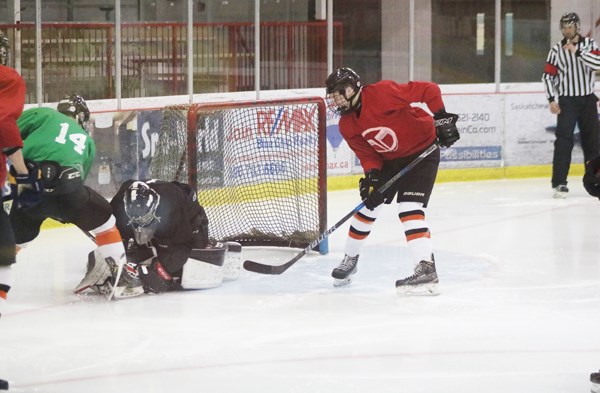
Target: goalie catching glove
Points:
(445, 128)
(368, 186)
(26, 189)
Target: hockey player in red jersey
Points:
(165, 231)
(387, 128)
(12, 99)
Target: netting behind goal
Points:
(259, 167)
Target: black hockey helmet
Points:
(74, 106)
(4, 46)
(141, 203)
(337, 82)
(568, 19)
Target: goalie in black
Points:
(165, 232)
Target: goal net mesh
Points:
(259, 167)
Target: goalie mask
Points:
(4, 49)
(141, 202)
(75, 107)
(570, 19)
(343, 91)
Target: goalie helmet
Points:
(141, 202)
(568, 19)
(340, 99)
(4, 46)
(75, 107)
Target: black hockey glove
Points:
(26, 190)
(156, 279)
(368, 186)
(591, 178)
(139, 253)
(445, 128)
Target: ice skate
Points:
(343, 273)
(560, 192)
(423, 282)
(595, 380)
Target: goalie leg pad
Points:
(204, 268)
(233, 261)
(98, 273)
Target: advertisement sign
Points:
(269, 143)
(340, 158)
(529, 131)
(148, 130)
(480, 124)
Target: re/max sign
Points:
(276, 122)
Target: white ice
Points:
(519, 310)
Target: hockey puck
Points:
(3, 384)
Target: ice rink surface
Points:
(519, 310)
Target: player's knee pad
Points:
(204, 267)
(93, 213)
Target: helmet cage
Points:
(336, 85)
(141, 202)
(4, 46)
(3, 55)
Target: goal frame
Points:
(192, 150)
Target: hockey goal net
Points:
(259, 167)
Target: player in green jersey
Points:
(56, 142)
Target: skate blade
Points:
(418, 290)
(341, 282)
(560, 195)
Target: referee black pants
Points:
(583, 111)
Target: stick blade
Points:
(261, 268)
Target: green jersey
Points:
(50, 135)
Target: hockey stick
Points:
(261, 268)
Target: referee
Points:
(569, 83)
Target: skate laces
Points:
(348, 263)
(423, 268)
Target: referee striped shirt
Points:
(571, 74)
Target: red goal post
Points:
(260, 167)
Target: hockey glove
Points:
(445, 128)
(26, 189)
(591, 178)
(156, 279)
(368, 186)
(139, 254)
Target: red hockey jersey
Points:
(389, 125)
(12, 99)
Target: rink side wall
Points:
(506, 131)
